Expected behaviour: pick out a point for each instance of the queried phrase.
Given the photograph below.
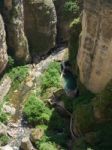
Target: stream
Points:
(17, 127)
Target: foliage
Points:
(75, 29)
(47, 146)
(3, 140)
(3, 117)
(36, 111)
(71, 7)
(10, 62)
(56, 132)
(80, 144)
(51, 77)
(18, 74)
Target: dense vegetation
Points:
(71, 8)
(4, 139)
(51, 77)
(35, 111)
(40, 115)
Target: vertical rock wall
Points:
(3, 46)
(40, 25)
(95, 52)
(14, 20)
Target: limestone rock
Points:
(40, 25)
(9, 109)
(3, 129)
(7, 147)
(3, 46)
(95, 52)
(26, 144)
(36, 134)
(14, 19)
(4, 87)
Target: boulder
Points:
(3, 129)
(9, 109)
(26, 144)
(16, 39)
(95, 52)
(7, 147)
(3, 46)
(40, 25)
(36, 134)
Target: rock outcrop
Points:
(3, 46)
(14, 21)
(40, 25)
(95, 52)
(67, 11)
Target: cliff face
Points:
(95, 52)
(14, 20)
(40, 25)
(66, 12)
(3, 46)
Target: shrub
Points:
(3, 140)
(47, 146)
(18, 72)
(18, 75)
(36, 111)
(10, 62)
(51, 77)
(71, 7)
(3, 117)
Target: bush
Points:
(3, 117)
(3, 140)
(51, 77)
(36, 111)
(18, 72)
(18, 75)
(71, 7)
(47, 146)
(10, 62)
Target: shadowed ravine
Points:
(17, 126)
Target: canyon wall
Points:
(14, 23)
(40, 25)
(95, 52)
(3, 46)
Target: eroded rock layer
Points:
(95, 52)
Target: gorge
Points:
(35, 112)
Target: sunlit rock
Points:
(16, 39)
(3, 46)
(95, 52)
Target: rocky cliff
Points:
(95, 52)
(14, 21)
(3, 46)
(40, 25)
(34, 27)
